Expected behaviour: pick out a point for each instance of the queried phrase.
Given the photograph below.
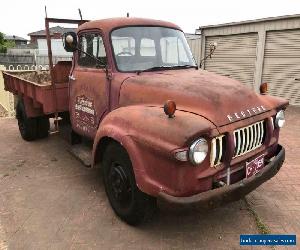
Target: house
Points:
(39, 38)
(19, 41)
(55, 33)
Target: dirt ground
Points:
(41, 77)
(3, 112)
(48, 200)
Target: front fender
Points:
(150, 138)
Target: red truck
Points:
(159, 127)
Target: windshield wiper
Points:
(153, 68)
(167, 67)
(186, 66)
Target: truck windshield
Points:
(150, 48)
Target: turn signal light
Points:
(181, 155)
(170, 108)
(263, 88)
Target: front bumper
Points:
(216, 197)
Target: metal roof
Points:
(192, 36)
(252, 21)
(56, 29)
(15, 38)
(112, 23)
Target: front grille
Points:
(217, 149)
(248, 138)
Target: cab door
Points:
(88, 84)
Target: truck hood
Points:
(219, 99)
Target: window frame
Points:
(97, 32)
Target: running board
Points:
(83, 153)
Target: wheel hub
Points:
(120, 185)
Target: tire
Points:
(27, 126)
(43, 126)
(127, 201)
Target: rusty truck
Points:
(160, 128)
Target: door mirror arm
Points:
(91, 56)
(99, 63)
(70, 44)
(108, 74)
(212, 48)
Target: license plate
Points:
(254, 166)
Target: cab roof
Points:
(107, 25)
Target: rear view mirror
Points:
(212, 48)
(70, 41)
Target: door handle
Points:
(72, 78)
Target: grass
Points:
(261, 226)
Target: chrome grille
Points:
(249, 138)
(217, 149)
(246, 139)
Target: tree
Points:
(4, 44)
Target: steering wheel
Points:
(124, 53)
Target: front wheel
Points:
(128, 202)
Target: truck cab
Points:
(161, 128)
(115, 49)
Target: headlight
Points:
(279, 119)
(198, 151)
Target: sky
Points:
(21, 17)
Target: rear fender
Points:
(32, 108)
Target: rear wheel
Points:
(43, 126)
(27, 126)
(31, 128)
(128, 202)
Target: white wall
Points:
(56, 45)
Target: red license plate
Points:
(254, 166)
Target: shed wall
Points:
(195, 45)
(277, 58)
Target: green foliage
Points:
(4, 44)
(1, 38)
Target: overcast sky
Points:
(20, 17)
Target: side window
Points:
(172, 51)
(123, 46)
(91, 43)
(147, 47)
